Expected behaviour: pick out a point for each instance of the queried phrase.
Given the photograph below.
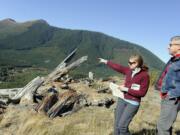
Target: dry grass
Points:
(23, 120)
(89, 121)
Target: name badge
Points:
(135, 86)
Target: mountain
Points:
(38, 44)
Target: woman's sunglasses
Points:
(130, 63)
(173, 44)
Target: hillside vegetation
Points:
(37, 44)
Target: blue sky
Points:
(149, 23)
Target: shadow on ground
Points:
(177, 132)
(146, 132)
(151, 132)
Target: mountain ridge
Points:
(39, 44)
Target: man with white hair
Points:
(169, 86)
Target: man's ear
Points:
(178, 49)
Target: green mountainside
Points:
(37, 44)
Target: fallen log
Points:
(9, 92)
(60, 66)
(103, 90)
(3, 106)
(69, 102)
(64, 86)
(62, 71)
(47, 103)
(107, 102)
(28, 89)
(27, 93)
(6, 94)
(57, 109)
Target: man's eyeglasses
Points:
(173, 44)
(130, 63)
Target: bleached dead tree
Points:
(26, 93)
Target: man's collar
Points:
(177, 55)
